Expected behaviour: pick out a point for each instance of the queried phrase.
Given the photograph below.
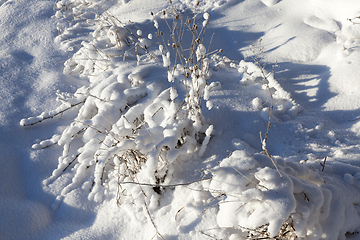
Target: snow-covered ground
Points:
(133, 119)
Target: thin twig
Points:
(353, 120)
(167, 185)
(54, 115)
(323, 164)
(267, 84)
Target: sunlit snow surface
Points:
(88, 113)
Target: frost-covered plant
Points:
(191, 63)
(268, 206)
(129, 128)
(278, 101)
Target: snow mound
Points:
(341, 20)
(253, 195)
(270, 3)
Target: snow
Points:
(125, 120)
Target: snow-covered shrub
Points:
(260, 204)
(130, 127)
(137, 121)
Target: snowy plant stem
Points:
(53, 115)
(264, 141)
(168, 185)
